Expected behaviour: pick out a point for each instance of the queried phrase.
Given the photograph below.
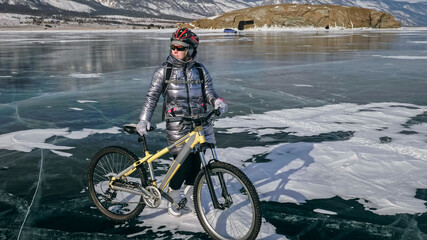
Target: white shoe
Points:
(188, 193)
(174, 194)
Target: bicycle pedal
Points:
(182, 203)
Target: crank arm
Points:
(144, 192)
(179, 205)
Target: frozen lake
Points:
(331, 126)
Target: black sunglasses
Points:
(178, 47)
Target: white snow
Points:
(76, 109)
(403, 57)
(324, 211)
(86, 132)
(303, 85)
(87, 75)
(384, 176)
(86, 101)
(27, 140)
(62, 154)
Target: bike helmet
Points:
(185, 37)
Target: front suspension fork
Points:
(224, 193)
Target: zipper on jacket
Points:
(188, 90)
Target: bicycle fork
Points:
(209, 182)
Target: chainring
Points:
(155, 199)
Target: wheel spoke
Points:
(118, 205)
(240, 220)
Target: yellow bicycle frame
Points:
(190, 140)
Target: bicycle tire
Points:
(118, 205)
(241, 220)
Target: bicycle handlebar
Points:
(131, 128)
(195, 119)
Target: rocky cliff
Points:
(298, 15)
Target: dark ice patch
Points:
(385, 139)
(408, 132)
(245, 139)
(404, 106)
(352, 221)
(419, 119)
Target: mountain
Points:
(410, 14)
(299, 15)
(170, 9)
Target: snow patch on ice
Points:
(28, 140)
(62, 154)
(403, 57)
(385, 176)
(322, 211)
(88, 75)
(418, 42)
(303, 85)
(86, 132)
(86, 101)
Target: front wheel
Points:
(117, 205)
(240, 214)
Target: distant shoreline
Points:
(153, 26)
(118, 28)
(74, 27)
(28, 23)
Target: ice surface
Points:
(315, 115)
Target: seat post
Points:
(144, 142)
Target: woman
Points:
(186, 87)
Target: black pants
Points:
(187, 172)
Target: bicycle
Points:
(226, 202)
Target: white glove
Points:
(142, 127)
(221, 105)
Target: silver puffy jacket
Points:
(181, 99)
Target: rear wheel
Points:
(240, 216)
(117, 205)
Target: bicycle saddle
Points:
(130, 128)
